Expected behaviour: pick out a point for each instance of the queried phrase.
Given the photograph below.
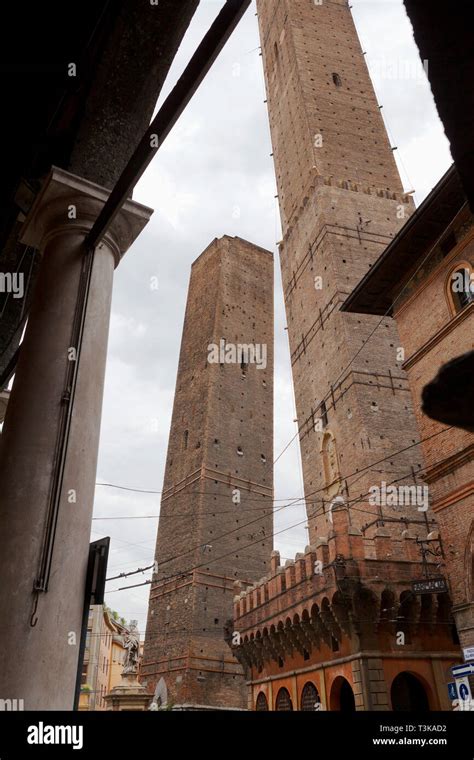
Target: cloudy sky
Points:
(214, 176)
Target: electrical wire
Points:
(295, 499)
(184, 573)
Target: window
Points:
(460, 287)
(283, 701)
(186, 437)
(310, 699)
(324, 414)
(276, 55)
(261, 704)
(337, 80)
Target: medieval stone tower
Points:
(341, 202)
(216, 519)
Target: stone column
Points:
(38, 662)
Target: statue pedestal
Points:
(128, 695)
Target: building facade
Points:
(103, 658)
(215, 522)
(343, 626)
(425, 278)
(340, 629)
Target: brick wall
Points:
(341, 203)
(218, 478)
(432, 334)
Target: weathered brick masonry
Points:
(428, 283)
(341, 203)
(219, 453)
(339, 630)
(433, 333)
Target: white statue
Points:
(132, 649)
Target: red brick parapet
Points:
(344, 586)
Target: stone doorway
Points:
(408, 694)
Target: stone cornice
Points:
(450, 464)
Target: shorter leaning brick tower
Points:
(218, 477)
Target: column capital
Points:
(68, 203)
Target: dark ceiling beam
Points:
(89, 124)
(169, 113)
(127, 80)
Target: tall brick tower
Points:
(342, 627)
(341, 202)
(216, 519)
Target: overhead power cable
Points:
(184, 573)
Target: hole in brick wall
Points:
(239, 451)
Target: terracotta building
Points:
(103, 658)
(343, 626)
(425, 281)
(216, 510)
